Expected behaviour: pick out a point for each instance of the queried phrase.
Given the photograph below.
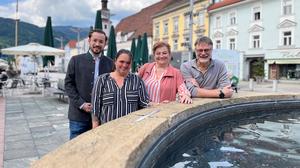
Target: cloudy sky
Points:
(80, 13)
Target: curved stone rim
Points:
(210, 116)
(124, 142)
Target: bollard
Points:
(275, 85)
(251, 81)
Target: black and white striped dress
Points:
(111, 102)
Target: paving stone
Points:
(44, 149)
(31, 109)
(19, 144)
(14, 111)
(20, 153)
(63, 134)
(18, 137)
(33, 115)
(38, 119)
(39, 124)
(12, 123)
(15, 116)
(16, 130)
(48, 140)
(42, 129)
(19, 163)
(41, 134)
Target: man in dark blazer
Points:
(82, 72)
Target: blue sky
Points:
(81, 14)
(3, 2)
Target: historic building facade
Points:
(172, 25)
(265, 32)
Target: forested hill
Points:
(32, 33)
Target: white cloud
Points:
(129, 5)
(69, 12)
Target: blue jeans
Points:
(79, 127)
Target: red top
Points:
(170, 83)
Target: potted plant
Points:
(258, 70)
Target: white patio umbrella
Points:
(34, 50)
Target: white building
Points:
(263, 31)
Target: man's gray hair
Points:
(204, 39)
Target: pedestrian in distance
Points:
(83, 70)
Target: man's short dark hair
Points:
(204, 39)
(98, 31)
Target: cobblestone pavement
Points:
(34, 126)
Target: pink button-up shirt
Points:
(171, 82)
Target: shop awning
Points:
(283, 61)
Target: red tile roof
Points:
(72, 43)
(222, 4)
(141, 22)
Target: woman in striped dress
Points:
(163, 81)
(118, 93)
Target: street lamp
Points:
(61, 40)
(77, 30)
(17, 22)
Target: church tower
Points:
(106, 22)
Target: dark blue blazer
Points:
(79, 82)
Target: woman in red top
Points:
(162, 80)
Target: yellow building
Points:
(172, 25)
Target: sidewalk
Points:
(36, 124)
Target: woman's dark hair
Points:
(98, 31)
(123, 51)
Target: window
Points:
(201, 18)
(175, 24)
(157, 30)
(218, 21)
(256, 13)
(232, 43)
(232, 18)
(218, 44)
(287, 38)
(256, 41)
(186, 21)
(166, 25)
(287, 7)
(187, 39)
(175, 45)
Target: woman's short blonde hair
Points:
(159, 45)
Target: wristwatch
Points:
(221, 95)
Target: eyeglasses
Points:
(205, 50)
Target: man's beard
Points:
(96, 50)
